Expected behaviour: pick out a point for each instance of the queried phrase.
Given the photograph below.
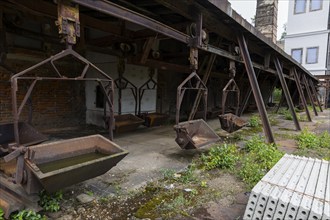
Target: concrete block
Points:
(287, 193)
(265, 193)
(293, 206)
(326, 211)
(253, 199)
(272, 202)
(319, 196)
(307, 200)
(326, 208)
(295, 188)
(254, 196)
(316, 210)
(262, 202)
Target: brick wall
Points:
(54, 103)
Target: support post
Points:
(281, 102)
(309, 94)
(327, 91)
(286, 93)
(255, 88)
(247, 98)
(301, 92)
(315, 95)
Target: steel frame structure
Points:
(115, 10)
(107, 89)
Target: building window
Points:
(299, 6)
(312, 55)
(297, 54)
(315, 5)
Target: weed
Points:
(50, 202)
(90, 193)
(307, 139)
(273, 121)
(104, 199)
(178, 203)
(203, 184)
(223, 156)
(1, 214)
(188, 175)
(27, 215)
(168, 173)
(254, 121)
(325, 140)
(277, 95)
(259, 159)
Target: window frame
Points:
(301, 55)
(294, 9)
(310, 6)
(317, 54)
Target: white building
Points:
(308, 34)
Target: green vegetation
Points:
(254, 121)
(307, 139)
(253, 162)
(27, 215)
(166, 204)
(277, 95)
(313, 145)
(186, 176)
(260, 157)
(1, 214)
(50, 202)
(221, 156)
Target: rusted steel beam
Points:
(118, 11)
(309, 94)
(271, 89)
(161, 65)
(327, 91)
(315, 94)
(246, 98)
(301, 92)
(255, 88)
(115, 10)
(39, 7)
(147, 48)
(281, 102)
(286, 91)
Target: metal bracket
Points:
(68, 21)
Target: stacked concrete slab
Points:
(295, 188)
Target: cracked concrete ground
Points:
(152, 150)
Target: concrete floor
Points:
(152, 150)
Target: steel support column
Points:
(315, 94)
(309, 94)
(270, 91)
(247, 98)
(286, 93)
(301, 92)
(255, 88)
(327, 91)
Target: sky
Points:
(247, 9)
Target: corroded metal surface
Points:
(71, 173)
(127, 122)
(230, 122)
(27, 134)
(194, 134)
